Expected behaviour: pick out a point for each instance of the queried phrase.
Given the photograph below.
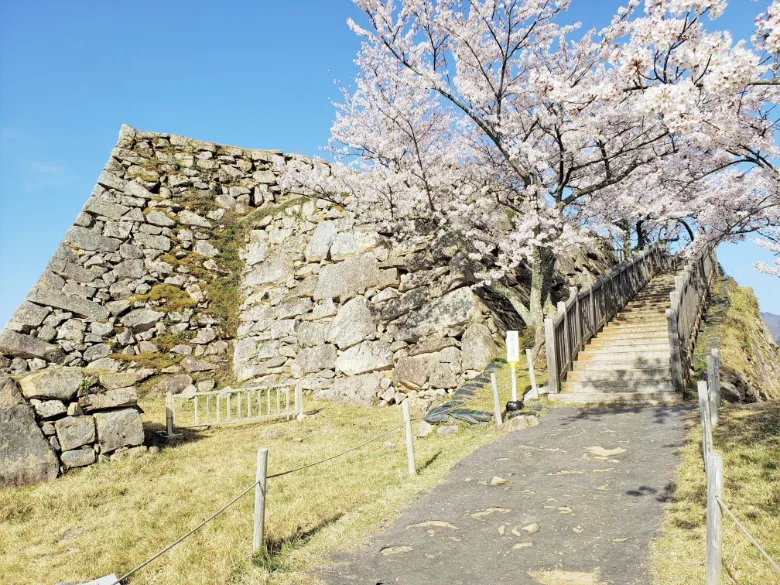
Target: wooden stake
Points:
(496, 403)
(298, 399)
(169, 414)
(260, 491)
(713, 379)
(409, 441)
(714, 535)
(704, 415)
(532, 373)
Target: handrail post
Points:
(260, 489)
(675, 358)
(496, 403)
(713, 380)
(552, 362)
(714, 517)
(704, 417)
(409, 440)
(566, 339)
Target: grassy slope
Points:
(749, 359)
(110, 517)
(749, 439)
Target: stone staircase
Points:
(628, 360)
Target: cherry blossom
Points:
(520, 137)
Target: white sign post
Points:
(513, 357)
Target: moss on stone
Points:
(172, 297)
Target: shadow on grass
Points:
(271, 557)
(428, 462)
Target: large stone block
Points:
(360, 389)
(73, 303)
(142, 319)
(353, 323)
(369, 356)
(25, 346)
(75, 431)
(52, 383)
(314, 359)
(455, 308)
(87, 239)
(78, 457)
(279, 265)
(318, 246)
(109, 399)
(25, 455)
(413, 372)
(29, 314)
(478, 346)
(353, 243)
(119, 428)
(351, 277)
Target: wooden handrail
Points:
(683, 318)
(586, 312)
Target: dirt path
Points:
(582, 499)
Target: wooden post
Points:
(713, 379)
(196, 410)
(260, 478)
(287, 402)
(409, 442)
(496, 403)
(714, 535)
(704, 416)
(566, 340)
(675, 363)
(529, 355)
(169, 414)
(298, 399)
(552, 365)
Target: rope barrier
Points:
(749, 536)
(245, 492)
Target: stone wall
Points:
(190, 265)
(58, 419)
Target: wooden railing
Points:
(231, 405)
(688, 301)
(586, 312)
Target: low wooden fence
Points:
(231, 405)
(709, 402)
(586, 312)
(688, 302)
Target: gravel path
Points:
(575, 501)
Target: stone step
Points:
(628, 329)
(620, 364)
(626, 374)
(612, 341)
(649, 398)
(662, 349)
(619, 386)
(660, 319)
(660, 334)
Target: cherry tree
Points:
(520, 136)
(771, 243)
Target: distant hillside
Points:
(773, 322)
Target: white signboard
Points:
(512, 347)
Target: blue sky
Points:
(247, 73)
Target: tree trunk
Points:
(532, 314)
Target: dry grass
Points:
(110, 517)
(749, 439)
